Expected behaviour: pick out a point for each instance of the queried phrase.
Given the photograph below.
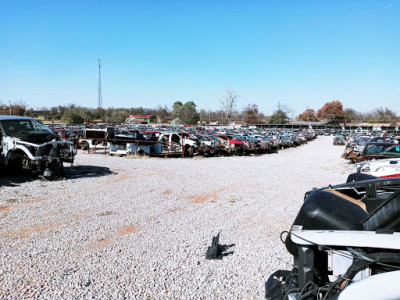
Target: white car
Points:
(383, 168)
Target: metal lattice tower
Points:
(99, 91)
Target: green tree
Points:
(176, 109)
(116, 116)
(99, 114)
(54, 114)
(87, 115)
(280, 115)
(188, 113)
(73, 117)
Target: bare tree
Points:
(18, 108)
(285, 108)
(228, 102)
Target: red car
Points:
(230, 138)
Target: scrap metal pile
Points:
(344, 243)
(377, 155)
(364, 146)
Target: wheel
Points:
(189, 151)
(84, 145)
(54, 170)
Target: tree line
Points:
(187, 113)
(333, 112)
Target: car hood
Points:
(37, 138)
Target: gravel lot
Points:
(122, 228)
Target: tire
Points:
(85, 146)
(189, 151)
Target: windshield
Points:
(364, 141)
(24, 127)
(203, 138)
(384, 150)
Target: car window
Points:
(23, 127)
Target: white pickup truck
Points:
(172, 142)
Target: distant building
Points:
(237, 123)
(175, 121)
(141, 119)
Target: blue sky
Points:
(298, 53)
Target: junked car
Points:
(134, 142)
(354, 152)
(28, 144)
(339, 140)
(380, 151)
(208, 145)
(382, 168)
(343, 243)
(176, 142)
(96, 139)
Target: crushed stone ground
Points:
(122, 228)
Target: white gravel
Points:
(122, 228)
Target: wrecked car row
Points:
(29, 145)
(377, 156)
(187, 144)
(365, 147)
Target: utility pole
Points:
(10, 107)
(99, 91)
